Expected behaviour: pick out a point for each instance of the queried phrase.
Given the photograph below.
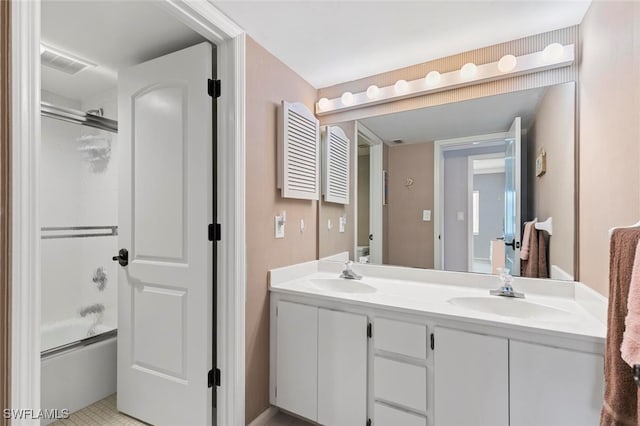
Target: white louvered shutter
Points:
(298, 152)
(335, 182)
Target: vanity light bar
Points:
(553, 56)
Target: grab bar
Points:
(54, 232)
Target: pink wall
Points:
(410, 239)
(609, 132)
(269, 81)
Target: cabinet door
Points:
(342, 368)
(552, 386)
(297, 359)
(385, 415)
(471, 379)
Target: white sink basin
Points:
(342, 285)
(510, 307)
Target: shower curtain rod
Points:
(78, 117)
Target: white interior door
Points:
(165, 293)
(376, 190)
(512, 197)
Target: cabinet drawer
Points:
(388, 416)
(400, 383)
(401, 337)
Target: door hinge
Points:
(214, 232)
(213, 88)
(433, 342)
(369, 330)
(213, 378)
(368, 422)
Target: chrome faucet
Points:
(348, 273)
(506, 290)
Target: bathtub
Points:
(81, 373)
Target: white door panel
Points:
(471, 379)
(159, 186)
(164, 294)
(297, 359)
(342, 368)
(512, 194)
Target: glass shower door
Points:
(78, 214)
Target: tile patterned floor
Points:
(283, 419)
(105, 413)
(101, 413)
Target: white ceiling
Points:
(330, 42)
(480, 116)
(113, 34)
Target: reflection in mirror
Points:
(453, 186)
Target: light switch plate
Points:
(460, 215)
(426, 215)
(279, 227)
(342, 221)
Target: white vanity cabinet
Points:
(488, 380)
(400, 373)
(553, 386)
(342, 368)
(297, 358)
(471, 374)
(321, 364)
(422, 369)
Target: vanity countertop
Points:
(574, 309)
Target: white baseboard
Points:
(264, 418)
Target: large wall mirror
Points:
(452, 186)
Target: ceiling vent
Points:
(61, 61)
(397, 141)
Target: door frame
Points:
(439, 148)
(470, 176)
(207, 20)
(376, 188)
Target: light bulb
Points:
(323, 103)
(401, 86)
(432, 78)
(373, 92)
(507, 63)
(347, 98)
(468, 70)
(552, 52)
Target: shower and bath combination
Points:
(79, 227)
